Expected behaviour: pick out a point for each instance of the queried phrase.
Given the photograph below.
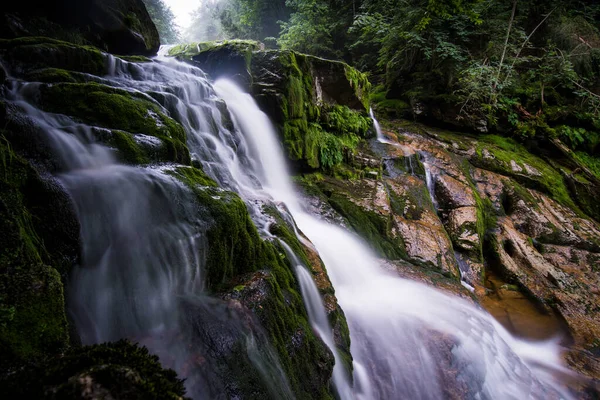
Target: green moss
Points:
(136, 59)
(129, 151)
(360, 83)
(187, 51)
(293, 140)
(233, 242)
(235, 248)
(53, 75)
(589, 161)
(122, 369)
(344, 122)
(392, 108)
(505, 150)
(374, 228)
(284, 317)
(29, 53)
(282, 229)
(412, 204)
(116, 109)
(410, 165)
(32, 314)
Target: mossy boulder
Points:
(229, 59)
(119, 370)
(507, 157)
(27, 54)
(120, 111)
(39, 241)
(245, 268)
(116, 26)
(285, 231)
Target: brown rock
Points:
(451, 193)
(462, 227)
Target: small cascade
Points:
(463, 267)
(380, 136)
(430, 185)
(402, 331)
(320, 323)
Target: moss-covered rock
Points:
(118, 110)
(26, 54)
(235, 256)
(284, 231)
(39, 241)
(113, 370)
(507, 157)
(319, 106)
(230, 58)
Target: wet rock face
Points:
(416, 224)
(453, 194)
(518, 209)
(117, 26)
(458, 209)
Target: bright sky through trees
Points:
(182, 10)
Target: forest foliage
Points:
(164, 19)
(524, 68)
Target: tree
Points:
(253, 19)
(206, 22)
(164, 19)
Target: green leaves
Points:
(164, 19)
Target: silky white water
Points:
(401, 330)
(378, 132)
(143, 239)
(143, 253)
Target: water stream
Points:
(401, 330)
(144, 245)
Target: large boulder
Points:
(116, 26)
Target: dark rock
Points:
(29, 56)
(3, 75)
(229, 61)
(118, 370)
(453, 194)
(117, 26)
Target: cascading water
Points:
(143, 240)
(429, 181)
(378, 132)
(403, 331)
(320, 323)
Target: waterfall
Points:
(319, 321)
(144, 246)
(402, 330)
(143, 240)
(379, 133)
